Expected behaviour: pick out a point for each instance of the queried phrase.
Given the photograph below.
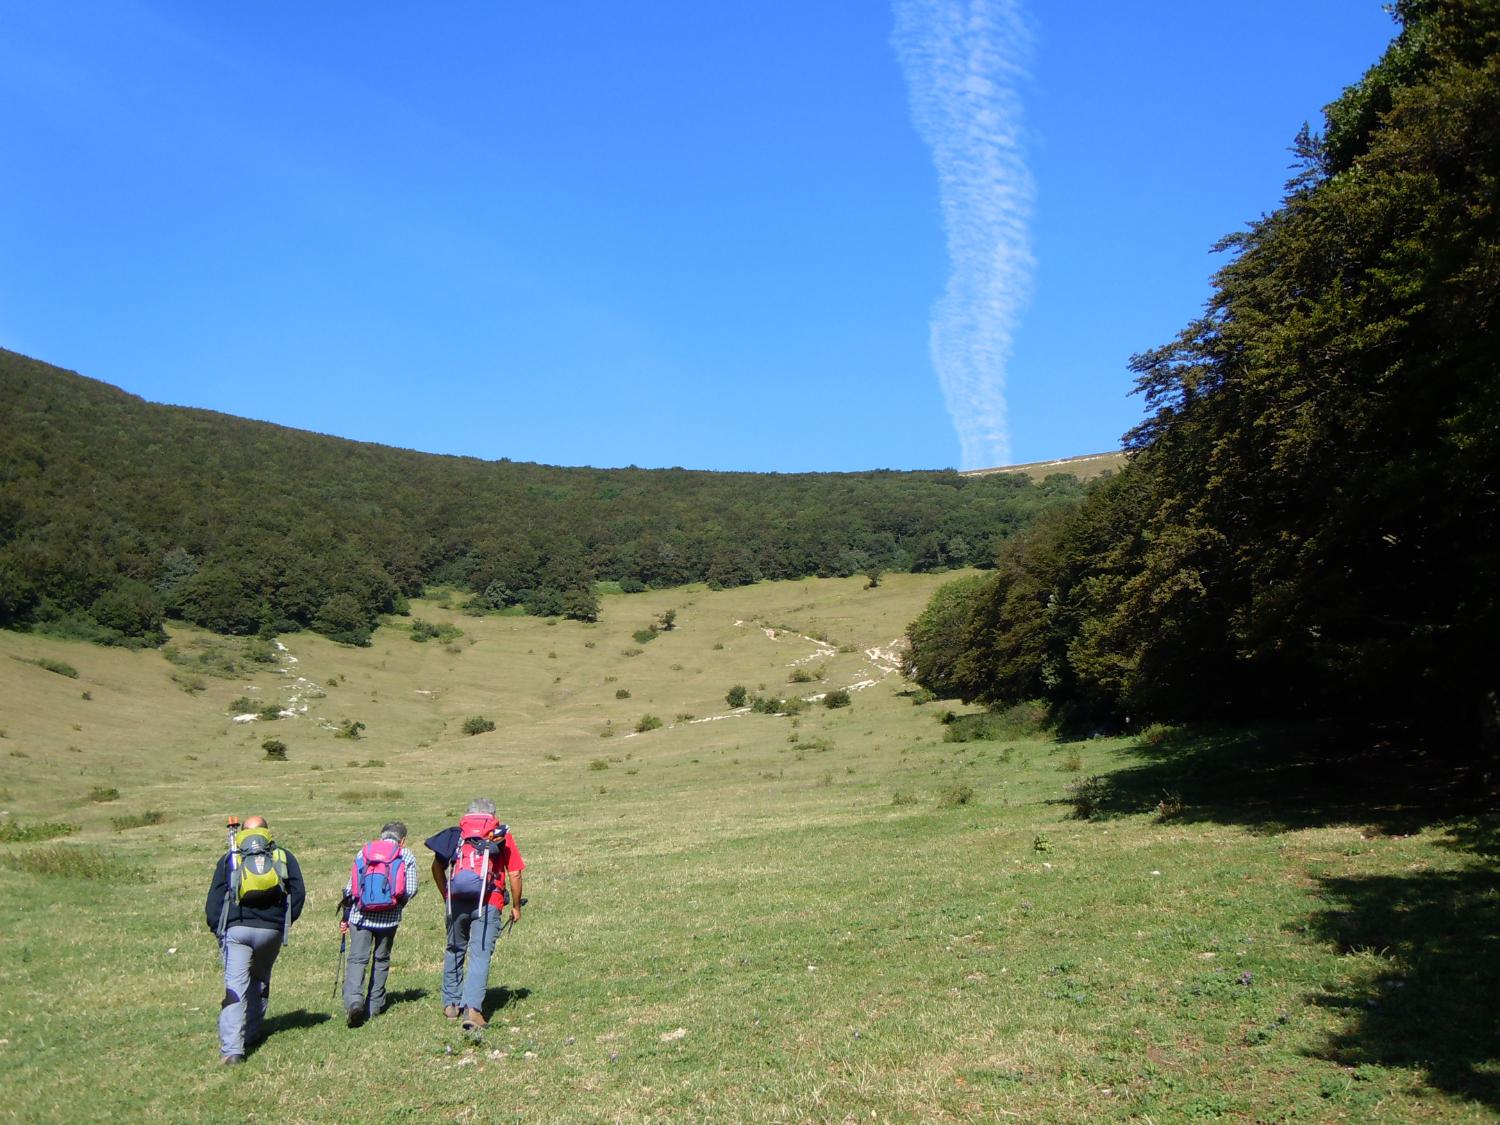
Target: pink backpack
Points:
(379, 877)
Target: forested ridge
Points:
(115, 512)
(1309, 524)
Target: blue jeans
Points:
(466, 962)
(366, 946)
(249, 953)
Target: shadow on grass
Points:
(1424, 945)
(1286, 779)
(404, 996)
(501, 997)
(294, 1020)
(1433, 943)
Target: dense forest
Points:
(1308, 525)
(116, 513)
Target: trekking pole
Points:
(484, 882)
(338, 970)
(231, 825)
(510, 923)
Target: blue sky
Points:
(718, 234)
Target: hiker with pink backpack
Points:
(477, 867)
(382, 881)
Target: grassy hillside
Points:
(833, 916)
(1085, 467)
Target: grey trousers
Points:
(249, 953)
(365, 947)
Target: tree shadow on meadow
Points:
(1433, 941)
(1422, 994)
(1285, 779)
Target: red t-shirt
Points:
(508, 860)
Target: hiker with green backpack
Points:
(256, 895)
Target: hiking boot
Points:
(231, 1060)
(356, 1014)
(452, 1011)
(473, 1020)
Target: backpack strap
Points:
(278, 857)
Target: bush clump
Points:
(65, 861)
(736, 696)
(100, 794)
(62, 668)
(424, 631)
(955, 796)
(478, 724)
(358, 796)
(13, 832)
(275, 750)
(646, 722)
(836, 698)
(137, 820)
(1087, 796)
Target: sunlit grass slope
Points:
(829, 916)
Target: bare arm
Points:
(440, 875)
(515, 896)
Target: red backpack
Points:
(379, 877)
(470, 875)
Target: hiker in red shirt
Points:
(477, 868)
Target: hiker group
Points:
(258, 892)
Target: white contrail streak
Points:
(963, 61)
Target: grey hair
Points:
(395, 830)
(482, 805)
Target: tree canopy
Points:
(1307, 523)
(115, 512)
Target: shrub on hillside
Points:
(736, 696)
(1087, 797)
(275, 750)
(136, 820)
(424, 631)
(955, 795)
(60, 667)
(12, 832)
(647, 722)
(836, 698)
(478, 724)
(65, 861)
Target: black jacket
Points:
(268, 917)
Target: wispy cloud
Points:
(964, 61)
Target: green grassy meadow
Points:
(833, 916)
